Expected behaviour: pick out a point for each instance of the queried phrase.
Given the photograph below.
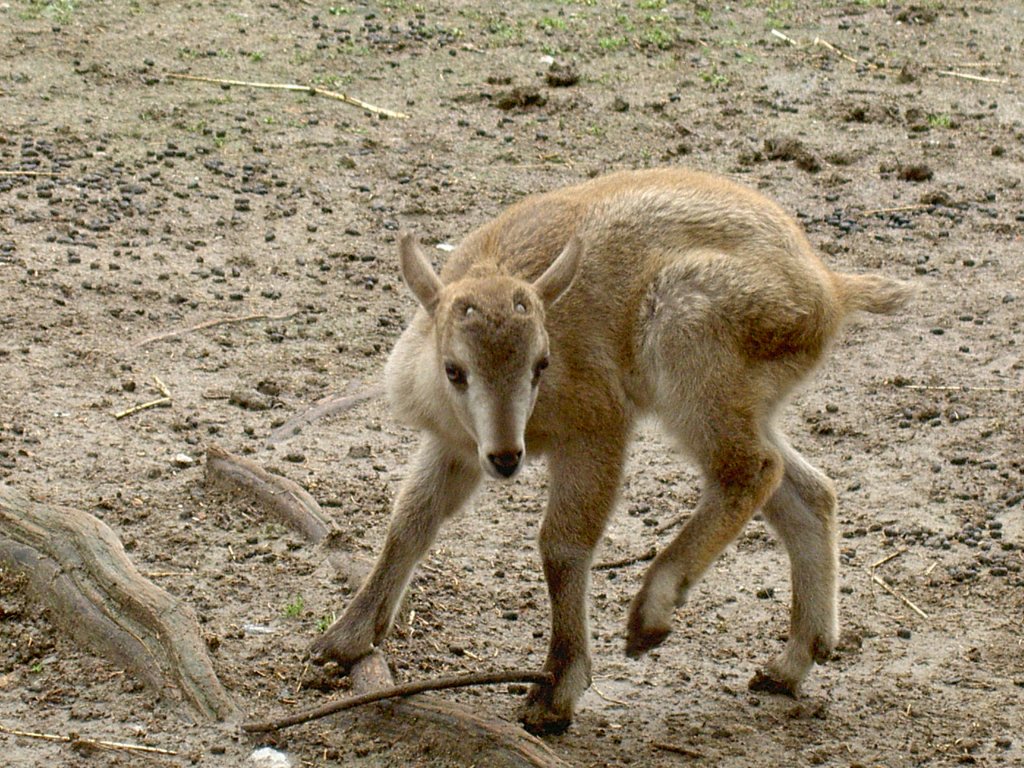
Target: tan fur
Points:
(668, 292)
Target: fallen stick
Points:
(608, 698)
(287, 502)
(680, 518)
(310, 89)
(839, 53)
(685, 751)
(906, 601)
(158, 403)
(960, 388)
(976, 78)
(786, 38)
(213, 324)
(161, 387)
(75, 564)
(322, 408)
(897, 209)
(887, 558)
(642, 558)
(28, 173)
(94, 743)
(396, 692)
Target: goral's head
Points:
(492, 347)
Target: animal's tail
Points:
(872, 293)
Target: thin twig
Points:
(685, 751)
(785, 37)
(608, 698)
(960, 388)
(896, 209)
(96, 743)
(28, 173)
(160, 401)
(887, 558)
(213, 324)
(680, 518)
(161, 387)
(642, 558)
(310, 89)
(878, 580)
(976, 78)
(827, 44)
(399, 691)
(326, 406)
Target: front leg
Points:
(584, 482)
(439, 483)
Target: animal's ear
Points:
(417, 272)
(558, 277)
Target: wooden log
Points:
(75, 564)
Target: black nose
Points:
(505, 462)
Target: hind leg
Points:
(802, 513)
(741, 472)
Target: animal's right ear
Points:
(417, 272)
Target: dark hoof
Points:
(539, 716)
(541, 721)
(324, 650)
(546, 727)
(762, 682)
(319, 652)
(639, 643)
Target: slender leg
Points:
(802, 513)
(584, 483)
(438, 485)
(741, 472)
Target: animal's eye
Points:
(538, 369)
(456, 375)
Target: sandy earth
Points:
(173, 203)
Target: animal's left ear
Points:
(417, 272)
(558, 277)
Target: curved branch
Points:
(397, 692)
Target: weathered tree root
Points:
(286, 501)
(75, 564)
(459, 731)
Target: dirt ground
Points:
(166, 203)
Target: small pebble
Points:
(183, 460)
